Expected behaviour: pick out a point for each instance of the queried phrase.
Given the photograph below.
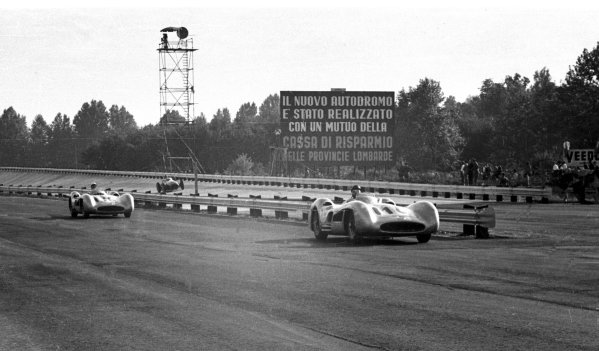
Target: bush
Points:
(242, 165)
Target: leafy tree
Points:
(512, 131)
(91, 122)
(38, 150)
(427, 135)
(61, 128)
(61, 143)
(579, 97)
(13, 137)
(477, 130)
(120, 120)
(13, 125)
(220, 125)
(39, 131)
(113, 152)
(245, 120)
(172, 117)
(545, 126)
(269, 119)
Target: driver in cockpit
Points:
(94, 189)
(355, 191)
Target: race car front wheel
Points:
(74, 212)
(316, 228)
(350, 228)
(423, 238)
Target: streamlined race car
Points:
(370, 216)
(101, 203)
(169, 185)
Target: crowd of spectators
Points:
(487, 174)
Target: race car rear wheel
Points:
(423, 238)
(127, 214)
(159, 187)
(350, 228)
(316, 228)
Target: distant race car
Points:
(101, 203)
(169, 185)
(371, 216)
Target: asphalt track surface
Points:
(169, 280)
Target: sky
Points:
(57, 55)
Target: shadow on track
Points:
(338, 242)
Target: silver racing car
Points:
(101, 203)
(371, 216)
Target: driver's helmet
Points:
(356, 187)
(93, 186)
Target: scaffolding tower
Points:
(176, 77)
(177, 94)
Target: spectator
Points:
(515, 178)
(486, 174)
(472, 172)
(502, 180)
(556, 172)
(497, 173)
(463, 171)
(528, 173)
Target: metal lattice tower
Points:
(176, 77)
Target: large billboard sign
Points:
(338, 127)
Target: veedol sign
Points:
(578, 157)
(338, 127)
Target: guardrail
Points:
(475, 220)
(485, 193)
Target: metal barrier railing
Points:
(485, 193)
(476, 219)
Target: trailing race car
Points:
(169, 185)
(370, 216)
(101, 203)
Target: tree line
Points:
(509, 122)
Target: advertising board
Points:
(338, 127)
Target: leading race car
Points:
(370, 216)
(101, 203)
(169, 185)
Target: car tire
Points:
(127, 214)
(316, 228)
(159, 187)
(423, 238)
(351, 230)
(74, 212)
